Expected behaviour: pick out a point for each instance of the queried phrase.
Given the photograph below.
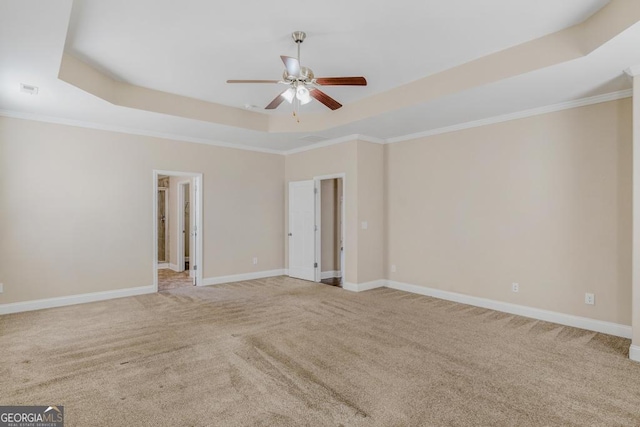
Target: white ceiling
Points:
(191, 47)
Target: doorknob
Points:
(290, 234)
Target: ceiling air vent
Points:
(31, 90)
(313, 138)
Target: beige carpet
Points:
(286, 352)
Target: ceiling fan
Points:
(302, 83)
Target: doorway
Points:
(331, 248)
(182, 217)
(316, 244)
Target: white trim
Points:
(241, 277)
(174, 267)
(517, 115)
(330, 274)
(17, 307)
(359, 287)
(520, 310)
(131, 131)
(317, 222)
(163, 265)
(634, 353)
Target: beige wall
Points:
(543, 201)
(76, 208)
(370, 210)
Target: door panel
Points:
(302, 230)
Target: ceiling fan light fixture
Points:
(289, 94)
(301, 81)
(302, 93)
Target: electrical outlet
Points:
(393, 268)
(515, 287)
(255, 260)
(589, 299)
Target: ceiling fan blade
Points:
(292, 65)
(325, 99)
(253, 81)
(276, 102)
(341, 81)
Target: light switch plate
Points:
(589, 299)
(364, 225)
(1, 288)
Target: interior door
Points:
(302, 233)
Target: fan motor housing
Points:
(306, 75)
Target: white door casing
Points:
(180, 232)
(302, 233)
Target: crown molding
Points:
(92, 125)
(518, 115)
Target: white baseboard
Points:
(241, 277)
(330, 274)
(17, 307)
(162, 265)
(359, 287)
(174, 267)
(521, 310)
(634, 353)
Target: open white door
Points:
(302, 233)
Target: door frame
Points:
(197, 221)
(343, 223)
(181, 217)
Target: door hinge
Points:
(195, 267)
(315, 265)
(315, 190)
